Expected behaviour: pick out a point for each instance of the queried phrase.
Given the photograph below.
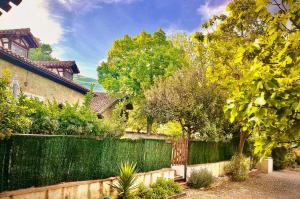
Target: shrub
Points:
(298, 160)
(13, 118)
(238, 168)
(159, 190)
(125, 182)
(198, 179)
(280, 158)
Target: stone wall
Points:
(40, 86)
(92, 189)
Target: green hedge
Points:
(208, 152)
(27, 161)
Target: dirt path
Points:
(280, 184)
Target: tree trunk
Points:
(243, 137)
(149, 124)
(187, 154)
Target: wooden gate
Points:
(179, 152)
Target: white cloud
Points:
(58, 51)
(84, 6)
(173, 29)
(34, 14)
(207, 10)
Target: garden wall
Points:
(35, 160)
(217, 169)
(92, 189)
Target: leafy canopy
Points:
(187, 98)
(42, 53)
(258, 64)
(135, 62)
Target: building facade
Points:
(46, 80)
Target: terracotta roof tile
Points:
(101, 102)
(22, 32)
(61, 64)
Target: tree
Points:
(134, 63)
(226, 45)
(187, 98)
(42, 53)
(254, 56)
(269, 103)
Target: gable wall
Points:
(41, 86)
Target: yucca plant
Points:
(125, 183)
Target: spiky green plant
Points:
(125, 183)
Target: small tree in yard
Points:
(187, 98)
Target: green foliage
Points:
(13, 118)
(141, 192)
(117, 123)
(187, 98)
(298, 160)
(27, 160)
(30, 116)
(171, 128)
(264, 92)
(44, 118)
(280, 157)
(206, 152)
(133, 64)
(202, 178)
(126, 181)
(79, 120)
(42, 53)
(238, 168)
(159, 190)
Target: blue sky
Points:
(84, 30)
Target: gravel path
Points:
(280, 184)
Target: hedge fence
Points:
(27, 161)
(36, 160)
(208, 152)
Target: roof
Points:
(101, 102)
(25, 63)
(4, 5)
(24, 33)
(59, 64)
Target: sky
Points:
(84, 30)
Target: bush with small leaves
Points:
(298, 160)
(280, 158)
(159, 190)
(238, 168)
(202, 178)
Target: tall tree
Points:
(254, 55)
(229, 39)
(134, 63)
(269, 101)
